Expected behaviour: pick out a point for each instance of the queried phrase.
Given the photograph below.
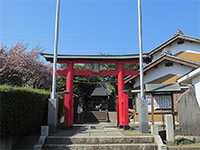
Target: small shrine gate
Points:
(120, 73)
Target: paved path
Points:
(101, 129)
(104, 136)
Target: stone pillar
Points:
(44, 131)
(143, 115)
(52, 113)
(142, 110)
(169, 128)
(154, 129)
(138, 103)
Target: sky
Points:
(96, 26)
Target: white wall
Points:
(196, 83)
(174, 48)
(161, 70)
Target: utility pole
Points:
(52, 112)
(143, 112)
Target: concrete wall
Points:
(161, 70)
(174, 48)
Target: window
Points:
(168, 64)
(163, 102)
(180, 41)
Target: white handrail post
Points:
(143, 114)
(52, 110)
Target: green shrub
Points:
(183, 141)
(22, 110)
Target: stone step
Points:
(100, 147)
(99, 140)
(96, 116)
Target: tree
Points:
(22, 67)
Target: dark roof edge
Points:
(172, 39)
(170, 56)
(164, 56)
(128, 56)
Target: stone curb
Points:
(157, 138)
(42, 139)
(183, 148)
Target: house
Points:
(180, 51)
(169, 61)
(173, 46)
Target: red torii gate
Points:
(120, 73)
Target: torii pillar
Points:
(122, 104)
(68, 102)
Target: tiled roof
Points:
(173, 39)
(168, 58)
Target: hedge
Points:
(22, 110)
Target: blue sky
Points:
(96, 26)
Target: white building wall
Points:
(174, 48)
(196, 83)
(161, 70)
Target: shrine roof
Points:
(49, 57)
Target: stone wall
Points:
(188, 113)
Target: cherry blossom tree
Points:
(23, 67)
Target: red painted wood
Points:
(130, 72)
(122, 104)
(117, 111)
(69, 114)
(120, 92)
(89, 73)
(125, 118)
(61, 72)
(67, 109)
(105, 61)
(102, 73)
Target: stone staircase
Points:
(100, 143)
(96, 116)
